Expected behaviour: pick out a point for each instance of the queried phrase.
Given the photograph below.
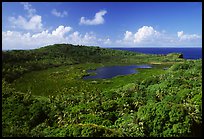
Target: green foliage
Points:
(57, 103)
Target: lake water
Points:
(112, 71)
(188, 53)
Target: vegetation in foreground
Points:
(154, 103)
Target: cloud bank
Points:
(62, 34)
(148, 36)
(183, 36)
(144, 36)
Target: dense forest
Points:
(44, 95)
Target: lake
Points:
(188, 53)
(112, 71)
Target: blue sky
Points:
(105, 24)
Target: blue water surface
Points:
(112, 71)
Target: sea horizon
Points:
(152, 47)
(188, 53)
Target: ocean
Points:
(188, 53)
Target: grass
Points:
(68, 79)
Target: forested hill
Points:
(73, 53)
(18, 62)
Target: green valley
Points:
(44, 94)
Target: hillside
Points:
(18, 62)
(44, 95)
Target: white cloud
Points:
(16, 40)
(145, 34)
(180, 34)
(28, 7)
(75, 37)
(98, 19)
(128, 36)
(184, 37)
(87, 39)
(148, 36)
(104, 42)
(107, 42)
(34, 23)
(31, 22)
(59, 14)
(61, 30)
(19, 40)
